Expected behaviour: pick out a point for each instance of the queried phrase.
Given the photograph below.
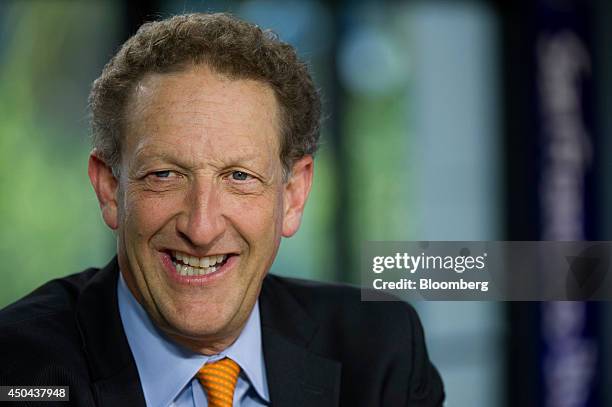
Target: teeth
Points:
(204, 262)
(179, 269)
(194, 266)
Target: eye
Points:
(240, 176)
(163, 180)
(162, 174)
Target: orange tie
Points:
(219, 381)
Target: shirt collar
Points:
(247, 351)
(154, 352)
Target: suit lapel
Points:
(296, 376)
(112, 366)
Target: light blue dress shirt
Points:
(167, 370)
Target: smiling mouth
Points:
(187, 265)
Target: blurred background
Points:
(445, 120)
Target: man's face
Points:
(200, 203)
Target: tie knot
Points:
(219, 381)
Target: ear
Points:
(105, 184)
(295, 194)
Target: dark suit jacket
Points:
(322, 345)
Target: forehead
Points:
(204, 109)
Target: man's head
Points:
(235, 48)
(204, 130)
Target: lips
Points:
(178, 266)
(186, 265)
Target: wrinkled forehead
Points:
(200, 103)
(195, 83)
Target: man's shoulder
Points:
(379, 344)
(42, 327)
(342, 305)
(56, 297)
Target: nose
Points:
(202, 222)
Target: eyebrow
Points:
(144, 155)
(163, 155)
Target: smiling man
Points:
(204, 132)
(200, 203)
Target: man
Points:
(204, 131)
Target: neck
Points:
(204, 347)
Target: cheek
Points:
(145, 213)
(257, 218)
